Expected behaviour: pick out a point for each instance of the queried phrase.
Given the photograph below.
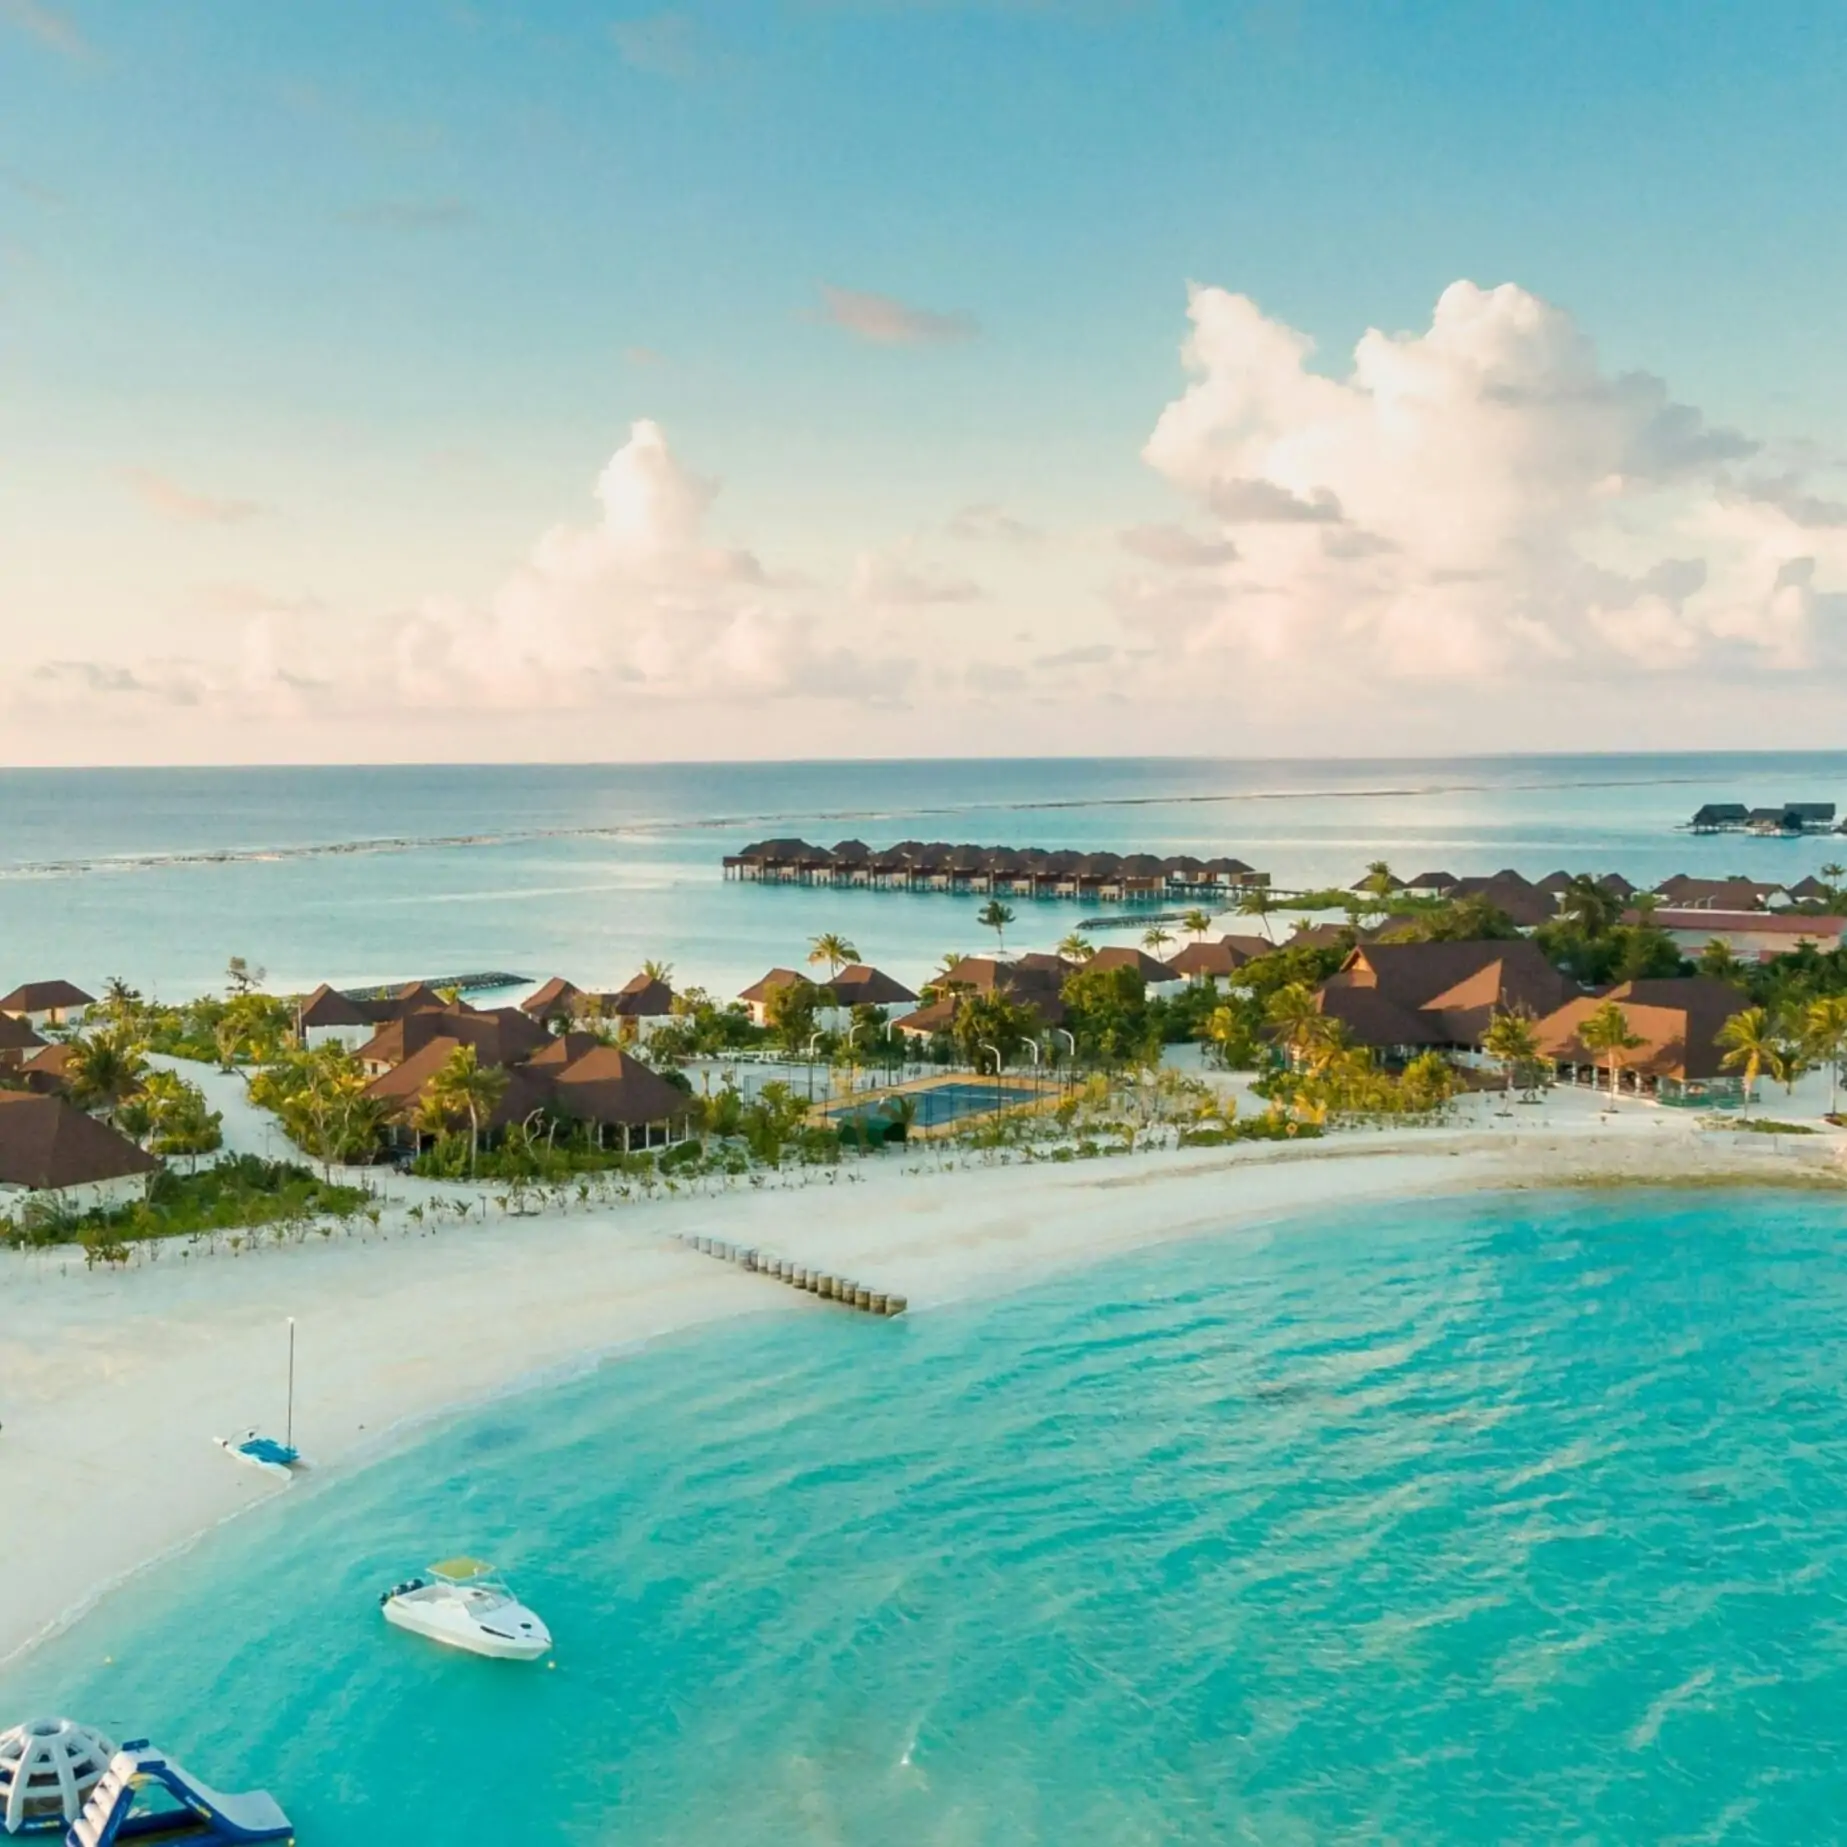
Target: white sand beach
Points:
(113, 1384)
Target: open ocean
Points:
(1514, 1518)
(362, 875)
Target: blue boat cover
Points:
(267, 1449)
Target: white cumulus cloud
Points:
(1477, 499)
(639, 602)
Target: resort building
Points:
(328, 1017)
(1155, 974)
(757, 996)
(1207, 964)
(17, 1039)
(1678, 1022)
(501, 1036)
(1690, 894)
(1401, 998)
(1026, 982)
(555, 1004)
(639, 1008)
(48, 1003)
(55, 1152)
(47, 1071)
(573, 1075)
(1755, 936)
(636, 1010)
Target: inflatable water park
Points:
(59, 1779)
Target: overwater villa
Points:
(967, 870)
(1783, 818)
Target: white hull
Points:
(281, 1470)
(509, 1633)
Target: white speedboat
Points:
(466, 1604)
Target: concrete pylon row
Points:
(823, 1283)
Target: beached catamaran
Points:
(263, 1452)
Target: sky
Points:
(802, 378)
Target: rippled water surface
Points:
(1507, 1519)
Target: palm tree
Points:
(656, 970)
(1719, 960)
(1077, 947)
(1155, 939)
(1257, 902)
(105, 1070)
(1752, 1045)
(1594, 908)
(833, 949)
(1510, 1038)
(1826, 1031)
(463, 1086)
(1380, 882)
(1608, 1031)
(996, 916)
(1294, 1016)
(1196, 923)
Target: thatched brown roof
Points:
(46, 1142)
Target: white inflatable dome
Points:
(47, 1769)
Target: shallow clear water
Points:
(587, 870)
(1504, 1519)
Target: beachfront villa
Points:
(1032, 981)
(1206, 964)
(1399, 999)
(48, 1003)
(54, 1152)
(637, 1009)
(1678, 1021)
(856, 985)
(571, 1074)
(328, 1017)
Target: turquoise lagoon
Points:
(356, 875)
(1511, 1518)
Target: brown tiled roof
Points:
(16, 1035)
(1715, 894)
(863, 986)
(1224, 957)
(1678, 1019)
(48, 1070)
(329, 1007)
(46, 1142)
(1454, 989)
(1521, 901)
(1791, 924)
(42, 996)
(607, 1085)
(1375, 1019)
(558, 998)
(501, 1036)
(1121, 955)
(777, 978)
(641, 997)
